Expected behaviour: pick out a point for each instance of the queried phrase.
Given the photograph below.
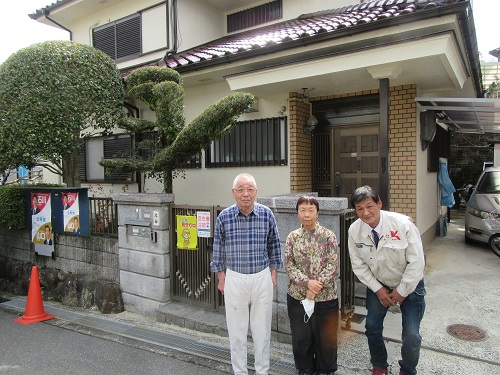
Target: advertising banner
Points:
(186, 232)
(41, 223)
(71, 212)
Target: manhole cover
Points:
(466, 332)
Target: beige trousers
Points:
(249, 299)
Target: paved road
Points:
(47, 348)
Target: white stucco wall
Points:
(198, 23)
(82, 28)
(427, 189)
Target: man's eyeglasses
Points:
(249, 191)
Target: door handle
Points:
(338, 184)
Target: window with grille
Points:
(119, 39)
(251, 143)
(115, 146)
(255, 16)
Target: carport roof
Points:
(465, 115)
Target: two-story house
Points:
(341, 90)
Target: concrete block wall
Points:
(16, 245)
(96, 256)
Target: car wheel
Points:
(468, 240)
(495, 244)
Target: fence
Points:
(347, 280)
(103, 217)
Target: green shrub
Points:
(13, 205)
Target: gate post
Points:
(144, 251)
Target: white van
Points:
(482, 211)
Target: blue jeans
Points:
(412, 311)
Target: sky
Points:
(19, 31)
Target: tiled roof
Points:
(40, 12)
(304, 29)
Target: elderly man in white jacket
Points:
(387, 256)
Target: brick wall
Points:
(403, 150)
(300, 145)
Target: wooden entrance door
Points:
(355, 159)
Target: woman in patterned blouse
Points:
(312, 265)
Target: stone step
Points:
(192, 317)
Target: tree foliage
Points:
(493, 89)
(51, 95)
(161, 89)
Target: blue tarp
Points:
(447, 188)
(22, 172)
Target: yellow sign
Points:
(187, 238)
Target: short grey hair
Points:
(247, 176)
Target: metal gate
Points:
(347, 279)
(191, 279)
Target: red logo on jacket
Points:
(394, 235)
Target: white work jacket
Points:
(398, 262)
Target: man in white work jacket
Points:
(387, 256)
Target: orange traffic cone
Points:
(34, 305)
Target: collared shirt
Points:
(312, 255)
(398, 262)
(246, 244)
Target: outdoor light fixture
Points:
(311, 124)
(311, 121)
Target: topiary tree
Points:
(161, 89)
(51, 95)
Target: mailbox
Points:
(138, 228)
